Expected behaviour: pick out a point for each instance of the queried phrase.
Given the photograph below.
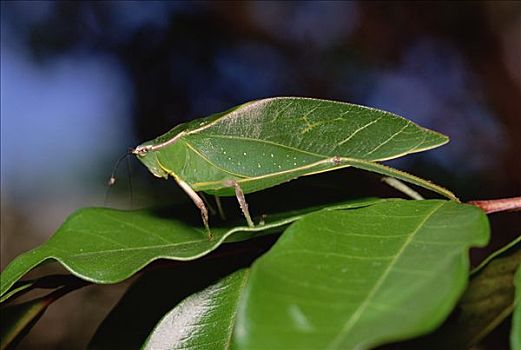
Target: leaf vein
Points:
(358, 130)
(389, 139)
(358, 313)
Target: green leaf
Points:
(18, 319)
(360, 278)
(515, 335)
(267, 142)
(507, 250)
(339, 280)
(47, 282)
(487, 301)
(25, 286)
(204, 320)
(107, 246)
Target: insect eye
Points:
(141, 151)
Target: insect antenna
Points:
(112, 180)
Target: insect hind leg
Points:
(241, 199)
(220, 208)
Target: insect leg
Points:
(242, 201)
(220, 208)
(207, 204)
(198, 202)
(400, 186)
(395, 173)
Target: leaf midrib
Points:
(350, 323)
(129, 249)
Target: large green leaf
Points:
(339, 280)
(267, 142)
(107, 246)
(345, 280)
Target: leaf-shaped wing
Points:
(264, 143)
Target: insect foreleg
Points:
(242, 200)
(198, 202)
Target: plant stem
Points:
(496, 205)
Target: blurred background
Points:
(81, 82)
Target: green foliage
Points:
(16, 290)
(515, 337)
(337, 280)
(18, 319)
(107, 246)
(352, 275)
(487, 301)
(207, 318)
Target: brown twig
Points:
(496, 205)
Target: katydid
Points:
(266, 142)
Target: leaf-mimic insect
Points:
(264, 143)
